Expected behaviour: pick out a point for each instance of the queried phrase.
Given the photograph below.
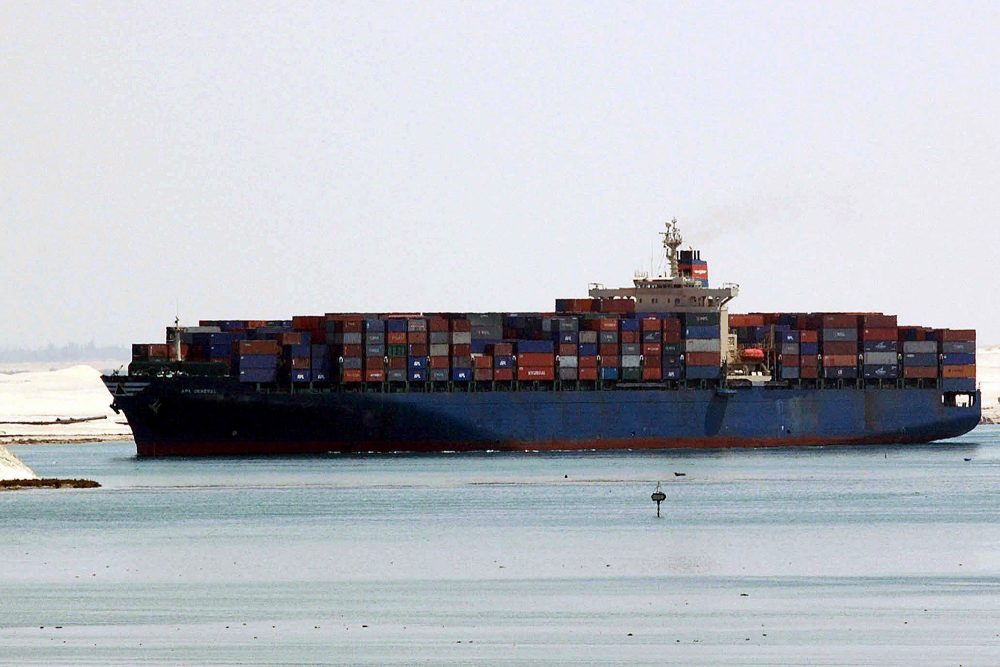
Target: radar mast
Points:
(671, 241)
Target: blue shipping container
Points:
(673, 373)
(920, 359)
(606, 373)
(503, 361)
(300, 350)
(395, 326)
(258, 375)
(958, 384)
(808, 348)
(588, 349)
(840, 334)
(790, 337)
(535, 346)
(702, 332)
(629, 325)
(263, 361)
(416, 374)
(840, 373)
(959, 359)
(565, 336)
(420, 363)
(300, 375)
(461, 374)
(880, 372)
(702, 372)
(879, 346)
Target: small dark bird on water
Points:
(968, 459)
(680, 474)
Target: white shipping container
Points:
(920, 346)
(703, 345)
(880, 358)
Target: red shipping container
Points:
(879, 334)
(746, 321)
(608, 349)
(351, 350)
(439, 362)
(583, 373)
(351, 375)
(397, 363)
(608, 361)
(672, 324)
(607, 324)
(840, 360)
(395, 338)
(586, 362)
(567, 350)
(652, 373)
(503, 374)
(301, 363)
(809, 360)
(535, 359)
(839, 321)
(419, 337)
(651, 324)
(416, 350)
(808, 372)
(482, 374)
(652, 349)
(631, 337)
(373, 375)
(836, 347)
(790, 360)
(461, 325)
(703, 359)
(348, 326)
(919, 373)
(437, 324)
(652, 360)
(620, 306)
(964, 371)
(545, 373)
(878, 321)
(482, 362)
(808, 336)
(374, 363)
(958, 335)
(500, 349)
(259, 347)
(158, 351)
(461, 350)
(672, 337)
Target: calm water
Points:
(819, 556)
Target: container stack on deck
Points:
(587, 343)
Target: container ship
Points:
(659, 364)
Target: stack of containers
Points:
(482, 367)
(608, 347)
(298, 360)
(630, 345)
(808, 354)
(214, 347)
(314, 325)
(151, 352)
(565, 332)
(879, 346)
(258, 360)
(586, 359)
(439, 347)
(840, 346)
(651, 334)
(791, 355)
(672, 349)
(461, 350)
(535, 360)
(319, 355)
(375, 350)
(920, 353)
(576, 305)
(702, 346)
(503, 361)
(958, 359)
(417, 348)
(348, 346)
(486, 329)
(395, 349)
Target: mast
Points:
(671, 241)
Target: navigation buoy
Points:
(658, 497)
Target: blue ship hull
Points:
(206, 417)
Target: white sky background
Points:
(264, 160)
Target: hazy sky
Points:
(259, 160)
